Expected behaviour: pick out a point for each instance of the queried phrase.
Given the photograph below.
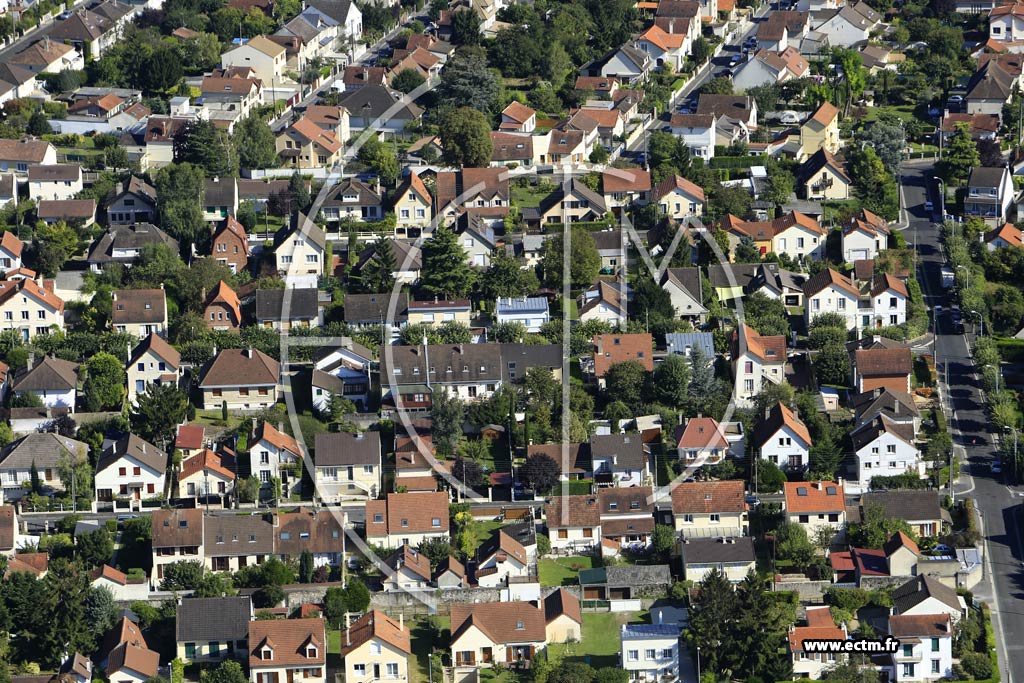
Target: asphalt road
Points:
(998, 504)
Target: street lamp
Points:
(942, 195)
(698, 664)
(997, 369)
(981, 321)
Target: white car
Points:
(956, 98)
(789, 117)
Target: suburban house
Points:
(342, 370)
(926, 647)
(696, 131)
(921, 509)
(123, 243)
(678, 198)
(407, 518)
(649, 652)
(820, 626)
(347, 466)
(139, 312)
(863, 237)
(413, 206)
(989, 194)
(152, 362)
(287, 649)
(831, 292)
(10, 251)
(782, 439)
(272, 453)
(820, 131)
(212, 629)
(305, 145)
(610, 349)
(409, 570)
(701, 441)
(518, 118)
(573, 522)
(795, 234)
(733, 556)
(684, 286)
(30, 307)
(924, 595)
(353, 200)
(485, 634)
(130, 468)
(823, 177)
(629, 64)
(375, 647)
(17, 155)
(755, 361)
(265, 57)
(207, 474)
(1007, 235)
(620, 460)
(177, 537)
(709, 509)
(59, 181)
(1006, 22)
(883, 369)
(627, 518)
(816, 505)
(769, 67)
(624, 187)
(851, 25)
(285, 309)
(222, 308)
(563, 616)
(44, 451)
(237, 541)
(53, 380)
(885, 448)
(231, 245)
(531, 312)
(605, 302)
(499, 559)
(480, 191)
(75, 211)
(241, 379)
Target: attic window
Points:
(770, 352)
(311, 652)
(120, 307)
(405, 523)
(286, 536)
(634, 505)
(266, 654)
(830, 490)
(801, 491)
(149, 306)
(183, 524)
(436, 522)
(335, 534)
(520, 626)
(378, 518)
(613, 506)
(220, 538)
(617, 341)
(304, 534)
(252, 538)
(707, 496)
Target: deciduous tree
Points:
(466, 138)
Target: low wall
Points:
(395, 602)
(807, 591)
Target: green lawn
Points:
(562, 571)
(213, 417)
(526, 197)
(423, 642)
(600, 644)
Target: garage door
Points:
(858, 254)
(593, 593)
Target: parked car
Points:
(736, 59)
(928, 205)
(789, 117)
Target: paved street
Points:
(998, 504)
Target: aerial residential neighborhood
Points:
(473, 341)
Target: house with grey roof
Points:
(213, 629)
(131, 204)
(628, 63)
(926, 595)
(734, 557)
(370, 106)
(682, 343)
(532, 312)
(231, 542)
(43, 451)
(620, 460)
(130, 470)
(347, 466)
(920, 508)
(283, 309)
(123, 243)
(686, 289)
(54, 381)
(625, 582)
(989, 194)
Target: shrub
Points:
(977, 665)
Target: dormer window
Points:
(405, 523)
(311, 651)
(266, 654)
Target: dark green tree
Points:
(228, 671)
(183, 575)
(505, 278)
(672, 381)
(625, 381)
(766, 315)
(584, 261)
(446, 270)
(447, 413)
(540, 472)
(38, 124)
(467, 80)
(712, 618)
(104, 384)
(408, 80)
(832, 365)
(255, 143)
(95, 548)
(160, 70)
(466, 138)
(465, 26)
(157, 413)
(180, 194)
(378, 273)
(201, 143)
(306, 567)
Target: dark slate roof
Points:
(237, 535)
(379, 100)
(128, 237)
(344, 448)
(50, 374)
(716, 551)
(373, 308)
(628, 448)
(302, 304)
(516, 358)
(204, 619)
(135, 447)
(910, 505)
(919, 589)
(335, 9)
(42, 448)
(986, 176)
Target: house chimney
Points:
(31, 360)
(671, 25)
(401, 621)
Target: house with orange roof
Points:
(486, 634)
(306, 145)
(610, 349)
(223, 309)
(287, 649)
(30, 307)
(118, 583)
(625, 186)
(795, 234)
(272, 453)
(518, 118)
(820, 131)
(408, 568)
(666, 49)
(1007, 235)
(709, 509)
(678, 198)
(10, 251)
(768, 67)
(207, 474)
(153, 362)
(375, 647)
(782, 439)
(831, 292)
(701, 441)
(1006, 22)
(413, 206)
(820, 626)
(815, 505)
(230, 246)
(499, 559)
(756, 362)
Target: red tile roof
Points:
(703, 432)
(572, 511)
(708, 496)
(617, 348)
(814, 496)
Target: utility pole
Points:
(952, 492)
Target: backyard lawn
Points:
(562, 571)
(422, 639)
(600, 644)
